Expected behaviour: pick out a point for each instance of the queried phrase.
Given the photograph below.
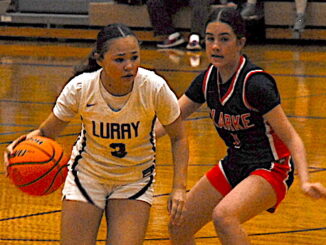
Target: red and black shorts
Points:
(225, 176)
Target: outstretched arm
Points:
(284, 129)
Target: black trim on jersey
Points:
(74, 171)
(290, 178)
(152, 134)
(152, 139)
(142, 191)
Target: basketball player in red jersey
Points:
(263, 147)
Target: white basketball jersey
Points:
(116, 146)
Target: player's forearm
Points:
(52, 126)
(180, 153)
(299, 157)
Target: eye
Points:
(135, 57)
(119, 60)
(224, 39)
(209, 39)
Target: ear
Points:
(242, 42)
(98, 59)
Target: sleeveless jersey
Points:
(249, 138)
(116, 146)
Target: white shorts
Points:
(85, 189)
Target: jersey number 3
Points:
(119, 150)
(236, 141)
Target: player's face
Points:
(120, 64)
(223, 48)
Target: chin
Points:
(217, 63)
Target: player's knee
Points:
(223, 219)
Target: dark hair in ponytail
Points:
(108, 33)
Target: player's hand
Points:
(314, 190)
(176, 205)
(9, 150)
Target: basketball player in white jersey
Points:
(112, 165)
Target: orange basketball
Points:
(38, 166)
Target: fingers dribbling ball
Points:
(38, 166)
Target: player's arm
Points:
(180, 153)
(50, 128)
(284, 129)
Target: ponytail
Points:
(90, 66)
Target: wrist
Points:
(179, 187)
(36, 132)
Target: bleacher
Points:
(81, 19)
(279, 16)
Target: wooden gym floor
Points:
(33, 74)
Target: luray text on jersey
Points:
(231, 122)
(115, 130)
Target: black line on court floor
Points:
(313, 169)
(35, 64)
(27, 102)
(165, 238)
(30, 215)
(159, 70)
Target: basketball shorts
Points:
(279, 174)
(82, 187)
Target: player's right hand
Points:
(9, 150)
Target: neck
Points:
(115, 88)
(227, 72)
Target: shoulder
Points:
(85, 77)
(260, 78)
(149, 78)
(204, 76)
(255, 75)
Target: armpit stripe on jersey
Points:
(142, 191)
(289, 180)
(74, 171)
(271, 141)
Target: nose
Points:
(215, 45)
(129, 65)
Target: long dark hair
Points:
(230, 16)
(109, 32)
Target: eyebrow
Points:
(220, 34)
(123, 54)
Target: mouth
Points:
(215, 56)
(128, 76)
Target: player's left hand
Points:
(176, 205)
(314, 190)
